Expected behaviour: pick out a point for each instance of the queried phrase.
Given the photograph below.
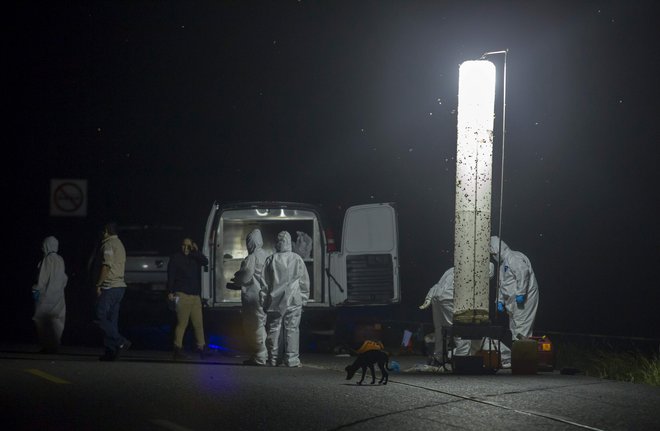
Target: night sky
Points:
(167, 106)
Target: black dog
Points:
(368, 359)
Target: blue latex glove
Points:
(394, 366)
(500, 306)
(520, 299)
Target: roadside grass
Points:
(628, 366)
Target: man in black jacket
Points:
(184, 287)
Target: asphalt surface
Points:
(148, 390)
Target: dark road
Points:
(145, 390)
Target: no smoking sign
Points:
(68, 197)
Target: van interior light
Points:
(282, 213)
(262, 213)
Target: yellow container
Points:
(524, 357)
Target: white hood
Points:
(495, 244)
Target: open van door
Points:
(366, 270)
(209, 251)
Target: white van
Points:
(365, 272)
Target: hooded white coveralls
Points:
(516, 278)
(50, 308)
(286, 292)
(249, 277)
(441, 296)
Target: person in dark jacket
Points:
(185, 289)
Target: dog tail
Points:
(387, 364)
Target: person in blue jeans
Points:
(110, 288)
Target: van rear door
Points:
(209, 251)
(366, 270)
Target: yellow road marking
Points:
(47, 376)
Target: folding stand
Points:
(475, 364)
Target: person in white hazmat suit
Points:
(518, 294)
(441, 297)
(50, 307)
(286, 292)
(249, 277)
(303, 245)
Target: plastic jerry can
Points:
(546, 353)
(524, 356)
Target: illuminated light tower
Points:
(474, 166)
